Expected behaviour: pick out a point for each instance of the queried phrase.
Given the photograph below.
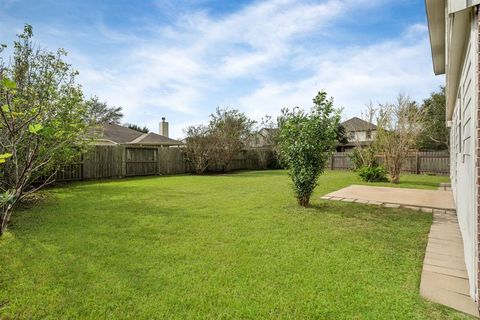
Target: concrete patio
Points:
(444, 276)
(395, 197)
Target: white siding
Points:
(360, 136)
(463, 171)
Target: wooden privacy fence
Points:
(428, 162)
(126, 161)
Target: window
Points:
(351, 135)
(369, 134)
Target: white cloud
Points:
(184, 68)
(182, 63)
(354, 76)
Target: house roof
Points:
(123, 135)
(357, 124)
(152, 138)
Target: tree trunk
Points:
(303, 201)
(5, 218)
(395, 176)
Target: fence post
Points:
(332, 158)
(158, 160)
(417, 163)
(123, 163)
(87, 163)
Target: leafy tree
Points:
(399, 125)
(136, 127)
(199, 147)
(42, 120)
(99, 112)
(341, 134)
(306, 143)
(230, 129)
(434, 134)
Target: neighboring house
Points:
(264, 138)
(359, 133)
(113, 134)
(454, 37)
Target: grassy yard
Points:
(231, 246)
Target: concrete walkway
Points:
(444, 276)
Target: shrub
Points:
(306, 142)
(373, 174)
(199, 147)
(363, 157)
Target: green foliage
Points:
(434, 134)
(212, 146)
(4, 157)
(229, 129)
(363, 157)
(35, 128)
(136, 127)
(42, 118)
(356, 159)
(8, 84)
(98, 112)
(6, 197)
(341, 134)
(373, 174)
(306, 142)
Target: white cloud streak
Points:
(185, 68)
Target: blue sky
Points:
(181, 59)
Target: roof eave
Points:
(436, 10)
(458, 29)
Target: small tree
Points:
(306, 142)
(229, 129)
(42, 120)
(397, 131)
(199, 147)
(98, 112)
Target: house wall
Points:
(360, 136)
(464, 156)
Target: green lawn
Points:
(228, 246)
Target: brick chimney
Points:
(163, 128)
